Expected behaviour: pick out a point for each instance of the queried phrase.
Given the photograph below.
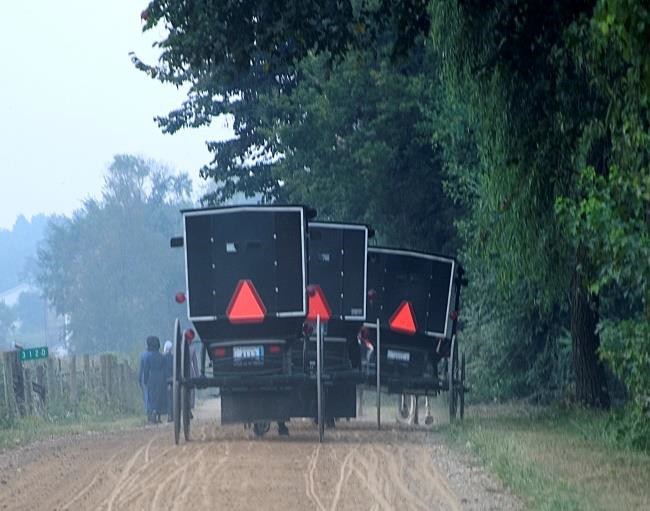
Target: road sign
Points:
(403, 320)
(246, 306)
(34, 353)
(318, 305)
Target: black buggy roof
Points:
(338, 269)
(411, 292)
(246, 268)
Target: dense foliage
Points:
(109, 268)
(531, 116)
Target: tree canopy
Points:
(109, 268)
(531, 115)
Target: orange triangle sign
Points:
(403, 320)
(246, 306)
(318, 304)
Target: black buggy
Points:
(414, 301)
(261, 314)
(338, 255)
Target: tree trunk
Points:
(591, 383)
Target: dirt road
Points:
(227, 468)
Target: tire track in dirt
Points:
(371, 480)
(126, 471)
(310, 484)
(396, 476)
(344, 476)
(146, 472)
(88, 487)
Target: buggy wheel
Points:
(452, 378)
(406, 408)
(176, 384)
(261, 428)
(187, 412)
(185, 390)
(461, 387)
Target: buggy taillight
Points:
(275, 349)
(219, 352)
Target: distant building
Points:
(53, 331)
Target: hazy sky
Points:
(70, 99)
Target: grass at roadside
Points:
(31, 429)
(563, 460)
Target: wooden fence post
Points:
(102, 371)
(18, 382)
(60, 379)
(125, 385)
(51, 387)
(9, 378)
(87, 382)
(73, 378)
(109, 375)
(40, 381)
(95, 382)
(4, 384)
(27, 389)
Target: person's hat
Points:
(153, 343)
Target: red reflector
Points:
(180, 297)
(318, 305)
(219, 352)
(275, 349)
(453, 315)
(189, 335)
(403, 320)
(246, 306)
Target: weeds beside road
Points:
(556, 459)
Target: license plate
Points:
(248, 354)
(399, 356)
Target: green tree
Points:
(610, 213)
(109, 267)
(528, 101)
(234, 53)
(354, 143)
(536, 115)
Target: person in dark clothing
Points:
(169, 372)
(143, 387)
(153, 377)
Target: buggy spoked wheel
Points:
(321, 422)
(261, 428)
(176, 383)
(453, 379)
(185, 390)
(406, 408)
(461, 387)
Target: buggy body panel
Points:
(426, 287)
(262, 245)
